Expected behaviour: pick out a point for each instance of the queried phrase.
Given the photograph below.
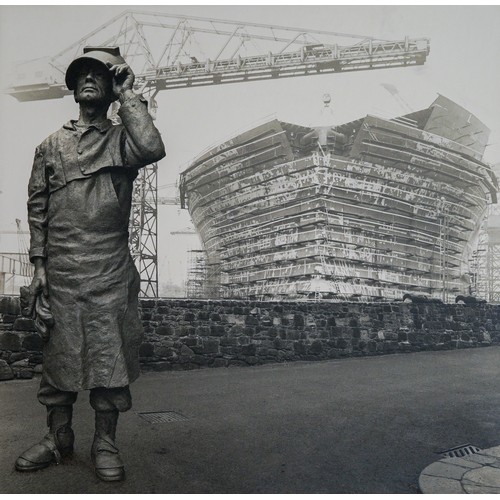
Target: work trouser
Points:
(101, 398)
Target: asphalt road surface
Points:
(359, 425)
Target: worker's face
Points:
(93, 84)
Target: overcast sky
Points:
(463, 65)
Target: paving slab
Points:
(462, 462)
(440, 484)
(448, 470)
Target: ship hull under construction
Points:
(370, 210)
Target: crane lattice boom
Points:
(203, 51)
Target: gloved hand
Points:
(35, 305)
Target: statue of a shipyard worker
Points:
(85, 284)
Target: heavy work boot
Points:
(105, 455)
(56, 444)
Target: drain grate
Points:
(460, 451)
(161, 417)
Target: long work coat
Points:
(80, 194)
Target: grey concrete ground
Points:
(362, 425)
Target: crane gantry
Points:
(168, 51)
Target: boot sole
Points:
(35, 467)
(109, 479)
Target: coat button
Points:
(80, 151)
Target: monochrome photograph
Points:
(262, 240)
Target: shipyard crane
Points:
(169, 51)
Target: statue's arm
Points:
(38, 201)
(141, 142)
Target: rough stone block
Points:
(226, 341)
(16, 356)
(219, 363)
(266, 321)
(229, 350)
(201, 360)
(316, 347)
(24, 325)
(272, 332)
(22, 363)
(164, 330)
(291, 334)
(234, 319)
(35, 357)
(331, 321)
(189, 341)
(251, 321)
(146, 350)
(251, 330)
(236, 362)
(33, 342)
(298, 320)
(299, 348)
(342, 344)
(390, 346)
(249, 350)
(236, 330)
(145, 315)
(6, 372)
(10, 305)
(403, 335)
(244, 340)
(189, 316)
(186, 351)
(9, 318)
(162, 351)
(23, 373)
(10, 341)
(211, 346)
(262, 351)
(217, 330)
(148, 304)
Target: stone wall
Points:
(185, 334)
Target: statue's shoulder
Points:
(54, 138)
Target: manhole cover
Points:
(460, 451)
(160, 417)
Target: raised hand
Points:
(123, 78)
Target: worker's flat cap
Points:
(103, 55)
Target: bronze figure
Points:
(80, 194)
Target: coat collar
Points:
(103, 126)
